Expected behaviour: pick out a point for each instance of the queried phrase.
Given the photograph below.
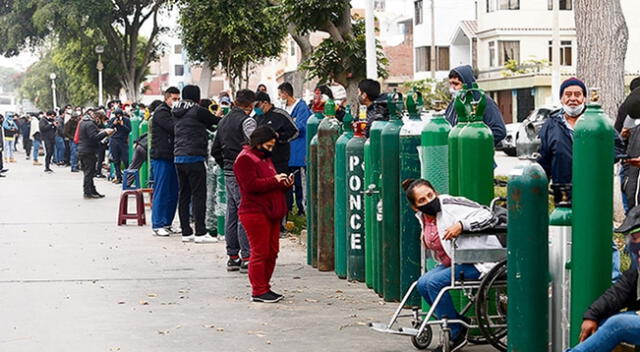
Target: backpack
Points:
(76, 135)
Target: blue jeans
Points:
(434, 280)
(622, 327)
(36, 149)
(74, 155)
(58, 156)
(625, 201)
(165, 193)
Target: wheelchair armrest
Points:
(472, 256)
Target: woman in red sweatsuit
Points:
(262, 209)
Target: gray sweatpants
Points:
(235, 235)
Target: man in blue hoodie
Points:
(463, 75)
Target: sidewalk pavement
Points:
(71, 280)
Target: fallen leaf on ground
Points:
(152, 295)
(144, 303)
(163, 332)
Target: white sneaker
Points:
(206, 239)
(161, 232)
(189, 238)
(172, 231)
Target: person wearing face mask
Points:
(464, 75)
(48, 128)
(90, 136)
(262, 209)
(370, 96)
(442, 219)
(165, 178)
(614, 318)
(233, 133)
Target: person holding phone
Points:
(262, 208)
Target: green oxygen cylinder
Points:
(593, 146)
(312, 196)
(369, 209)
(134, 134)
(528, 257)
(475, 149)
(356, 232)
(144, 172)
(221, 201)
(373, 213)
(328, 132)
(410, 244)
(454, 149)
(435, 152)
(390, 151)
(312, 128)
(340, 226)
(559, 257)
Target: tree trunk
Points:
(306, 49)
(352, 96)
(205, 79)
(602, 46)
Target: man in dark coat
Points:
(90, 137)
(118, 143)
(48, 127)
(190, 153)
(165, 178)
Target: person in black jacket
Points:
(604, 326)
(48, 127)
(190, 153)
(165, 178)
(90, 137)
(118, 143)
(282, 123)
(234, 132)
(369, 95)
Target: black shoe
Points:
(1, 175)
(244, 267)
(100, 176)
(3, 171)
(268, 297)
(277, 294)
(75, 170)
(48, 170)
(91, 196)
(234, 264)
(99, 195)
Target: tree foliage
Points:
(435, 93)
(9, 79)
(28, 23)
(231, 33)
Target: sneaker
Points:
(172, 230)
(3, 171)
(36, 162)
(277, 294)
(75, 170)
(91, 196)
(100, 176)
(48, 170)
(234, 264)
(98, 194)
(161, 232)
(268, 297)
(188, 238)
(244, 266)
(207, 238)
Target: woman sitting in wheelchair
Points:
(443, 218)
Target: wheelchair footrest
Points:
(384, 328)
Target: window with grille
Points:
(566, 52)
(508, 50)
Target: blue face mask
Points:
(258, 111)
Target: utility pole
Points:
(433, 39)
(370, 34)
(555, 54)
(99, 67)
(53, 77)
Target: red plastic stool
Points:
(123, 212)
(150, 192)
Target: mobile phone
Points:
(294, 173)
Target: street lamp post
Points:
(53, 76)
(100, 67)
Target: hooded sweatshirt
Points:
(10, 127)
(492, 116)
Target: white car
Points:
(508, 144)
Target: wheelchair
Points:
(487, 297)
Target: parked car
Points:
(527, 140)
(508, 144)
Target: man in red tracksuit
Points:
(262, 209)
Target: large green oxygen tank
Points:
(312, 196)
(340, 226)
(559, 258)
(435, 152)
(410, 244)
(144, 172)
(221, 201)
(453, 143)
(528, 258)
(593, 146)
(373, 212)
(328, 132)
(135, 132)
(312, 128)
(356, 232)
(475, 149)
(390, 138)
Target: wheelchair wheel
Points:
(424, 340)
(491, 306)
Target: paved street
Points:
(71, 280)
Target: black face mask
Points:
(432, 208)
(265, 152)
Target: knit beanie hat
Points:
(191, 92)
(261, 135)
(573, 82)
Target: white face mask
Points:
(574, 111)
(453, 92)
